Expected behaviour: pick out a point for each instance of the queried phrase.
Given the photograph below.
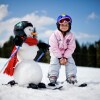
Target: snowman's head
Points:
(24, 28)
(30, 31)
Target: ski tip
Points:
(58, 88)
(83, 85)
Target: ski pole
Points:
(10, 58)
(40, 56)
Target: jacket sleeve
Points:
(54, 46)
(71, 47)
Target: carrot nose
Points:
(34, 33)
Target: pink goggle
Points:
(65, 20)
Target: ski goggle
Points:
(65, 20)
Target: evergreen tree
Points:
(84, 55)
(97, 44)
(0, 51)
(92, 56)
(7, 48)
(76, 54)
(45, 58)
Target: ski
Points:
(82, 85)
(57, 87)
(77, 85)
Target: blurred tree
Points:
(45, 58)
(76, 54)
(0, 51)
(97, 44)
(84, 55)
(91, 55)
(7, 48)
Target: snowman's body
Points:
(27, 52)
(27, 70)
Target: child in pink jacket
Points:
(62, 45)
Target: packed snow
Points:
(69, 92)
(27, 71)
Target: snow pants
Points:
(70, 67)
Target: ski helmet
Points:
(20, 26)
(61, 19)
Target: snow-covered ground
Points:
(69, 92)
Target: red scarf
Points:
(31, 41)
(9, 70)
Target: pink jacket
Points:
(62, 46)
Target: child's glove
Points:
(18, 41)
(63, 61)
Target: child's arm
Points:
(54, 46)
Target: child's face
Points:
(64, 27)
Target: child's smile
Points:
(64, 27)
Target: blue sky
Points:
(43, 14)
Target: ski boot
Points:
(12, 83)
(52, 81)
(41, 85)
(33, 86)
(72, 79)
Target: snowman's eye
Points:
(30, 30)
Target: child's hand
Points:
(63, 61)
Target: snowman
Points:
(22, 67)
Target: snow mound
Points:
(27, 71)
